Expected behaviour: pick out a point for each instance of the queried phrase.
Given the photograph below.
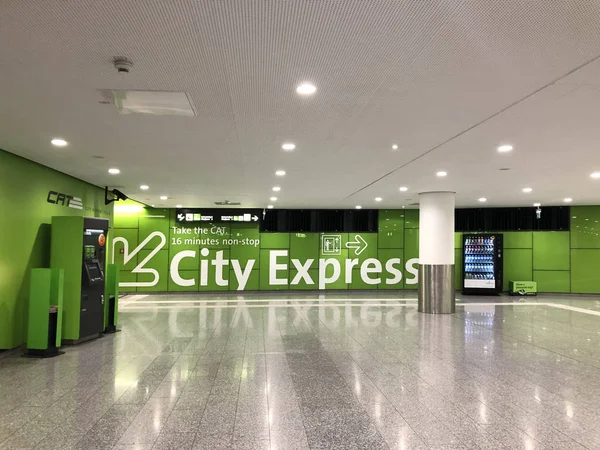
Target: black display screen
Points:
(93, 271)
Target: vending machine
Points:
(482, 264)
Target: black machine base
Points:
(81, 340)
(47, 353)
(475, 291)
(111, 329)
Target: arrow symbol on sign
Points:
(180, 217)
(255, 218)
(359, 245)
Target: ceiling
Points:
(447, 81)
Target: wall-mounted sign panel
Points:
(218, 215)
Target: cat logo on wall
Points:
(58, 198)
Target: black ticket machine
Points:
(92, 279)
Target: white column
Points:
(436, 252)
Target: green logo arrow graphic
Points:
(359, 245)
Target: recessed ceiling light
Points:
(537, 204)
(280, 173)
(273, 199)
(276, 188)
(164, 197)
(441, 173)
(483, 199)
(527, 190)
(568, 200)
(178, 206)
(288, 146)
(378, 199)
(58, 142)
(306, 89)
(394, 147)
(270, 206)
(403, 189)
(595, 175)
(114, 171)
(358, 207)
(144, 187)
(505, 148)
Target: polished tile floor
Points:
(317, 372)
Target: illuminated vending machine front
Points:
(482, 264)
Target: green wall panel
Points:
(265, 255)
(211, 284)
(305, 246)
(411, 250)
(585, 227)
(585, 272)
(458, 268)
(160, 263)
(125, 276)
(552, 280)
(131, 235)
(324, 252)
(368, 239)
(548, 253)
(302, 283)
(358, 283)
(518, 265)
(391, 228)
(385, 255)
(25, 216)
(159, 221)
(186, 275)
(517, 239)
(551, 250)
(245, 253)
(253, 283)
(411, 218)
(275, 240)
(126, 220)
(458, 240)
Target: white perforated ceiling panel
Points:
(447, 81)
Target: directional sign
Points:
(218, 215)
(359, 244)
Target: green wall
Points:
(559, 262)
(243, 244)
(25, 232)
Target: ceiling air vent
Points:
(158, 103)
(227, 203)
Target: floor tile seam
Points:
(489, 406)
(478, 382)
(266, 374)
(288, 371)
(307, 320)
(212, 335)
(31, 419)
(216, 373)
(441, 420)
(115, 403)
(237, 403)
(517, 375)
